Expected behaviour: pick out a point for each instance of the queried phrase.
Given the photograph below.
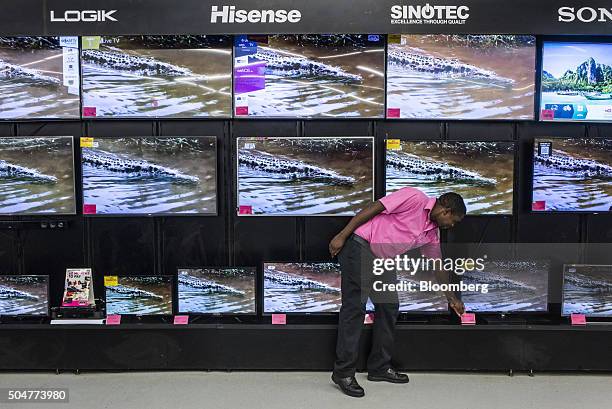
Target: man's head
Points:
(448, 210)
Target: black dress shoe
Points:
(349, 386)
(390, 375)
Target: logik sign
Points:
(87, 16)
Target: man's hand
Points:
(336, 245)
(457, 306)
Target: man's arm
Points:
(455, 303)
(360, 218)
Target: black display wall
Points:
(158, 245)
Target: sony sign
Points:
(87, 16)
(585, 14)
(229, 14)
(429, 14)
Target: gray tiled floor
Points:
(313, 390)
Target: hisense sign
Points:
(229, 14)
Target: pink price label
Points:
(279, 319)
(245, 210)
(89, 111)
(469, 318)
(369, 318)
(181, 319)
(242, 110)
(578, 319)
(113, 319)
(89, 209)
(393, 112)
(547, 114)
(538, 205)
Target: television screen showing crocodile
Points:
(39, 78)
(304, 176)
(315, 288)
(227, 290)
(37, 175)
(139, 295)
(301, 287)
(309, 75)
(149, 175)
(572, 175)
(587, 289)
(24, 295)
(157, 76)
(511, 286)
(481, 172)
(461, 77)
(576, 81)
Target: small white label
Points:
(250, 145)
(70, 42)
(71, 67)
(244, 60)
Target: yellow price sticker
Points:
(393, 144)
(394, 38)
(111, 281)
(87, 142)
(91, 42)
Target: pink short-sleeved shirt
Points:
(403, 225)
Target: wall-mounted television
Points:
(461, 77)
(149, 175)
(157, 76)
(39, 78)
(309, 75)
(24, 295)
(216, 290)
(576, 81)
(37, 175)
(139, 295)
(304, 176)
(481, 172)
(587, 289)
(572, 175)
(301, 288)
(512, 286)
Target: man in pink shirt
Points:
(404, 220)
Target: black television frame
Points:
(218, 314)
(515, 183)
(47, 293)
(172, 294)
(595, 317)
(153, 215)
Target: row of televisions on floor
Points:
(512, 287)
(306, 76)
(292, 176)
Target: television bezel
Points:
(47, 291)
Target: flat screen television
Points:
(572, 175)
(304, 176)
(216, 290)
(461, 77)
(481, 172)
(39, 78)
(512, 286)
(139, 295)
(304, 288)
(24, 295)
(576, 81)
(156, 76)
(37, 175)
(587, 289)
(420, 300)
(149, 175)
(301, 288)
(309, 75)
